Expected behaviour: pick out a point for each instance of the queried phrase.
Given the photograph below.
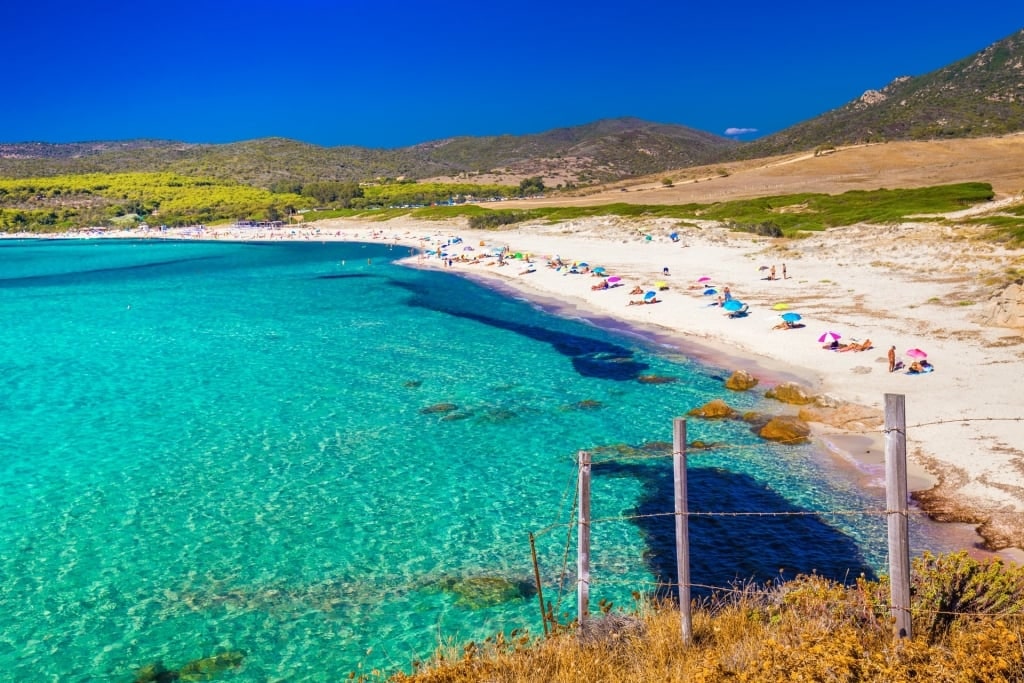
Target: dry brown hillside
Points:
(998, 161)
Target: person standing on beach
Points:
(892, 358)
(771, 273)
(784, 276)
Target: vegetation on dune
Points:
(96, 199)
(967, 622)
(779, 215)
(102, 199)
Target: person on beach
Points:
(771, 273)
(664, 271)
(784, 276)
(892, 358)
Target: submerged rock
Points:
(413, 383)
(205, 669)
(656, 379)
(479, 592)
(587, 404)
(438, 408)
(454, 417)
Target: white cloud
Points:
(739, 131)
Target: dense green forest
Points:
(65, 202)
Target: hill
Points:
(979, 96)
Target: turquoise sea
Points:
(215, 447)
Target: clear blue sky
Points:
(393, 73)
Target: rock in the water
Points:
(478, 592)
(786, 429)
(438, 408)
(741, 380)
(207, 668)
(713, 409)
(791, 392)
(655, 379)
(587, 404)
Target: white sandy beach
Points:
(908, 285)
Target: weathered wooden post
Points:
(682, 525)
(896, 512)
(583, 541)
(536, 578)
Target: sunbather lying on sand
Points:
(863, 346)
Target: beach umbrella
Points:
(704, 279)
(650, 295)
(780, 306)
(674, 236)
(916, 353)
(661, 284)
(763, 268)
(790, 317)
(583, 265)
(835, 336)
(599, 270)
(733, 305)
(614, 279)
(710, 291)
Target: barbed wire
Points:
(766, 587)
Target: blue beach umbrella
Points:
(790, 317)
(650, 295)
(599, 270)
(734, 305)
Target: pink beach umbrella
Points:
(916, 353)
(704, 279)
(835, 336)
(614, 279)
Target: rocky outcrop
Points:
(786, 429)
(1006, 308)
(741, 380)
(849, 416)
(713, 409)
(792, 393)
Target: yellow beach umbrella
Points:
(780, 306)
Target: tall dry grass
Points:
(968, 622)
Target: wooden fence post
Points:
(682, 526)
(896, 512)
(583, 541)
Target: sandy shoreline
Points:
(907, 285)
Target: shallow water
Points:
(210, 447)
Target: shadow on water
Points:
(80, 275)
(724, 550)
(590, 357)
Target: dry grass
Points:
(967, 625)
(892, 165)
